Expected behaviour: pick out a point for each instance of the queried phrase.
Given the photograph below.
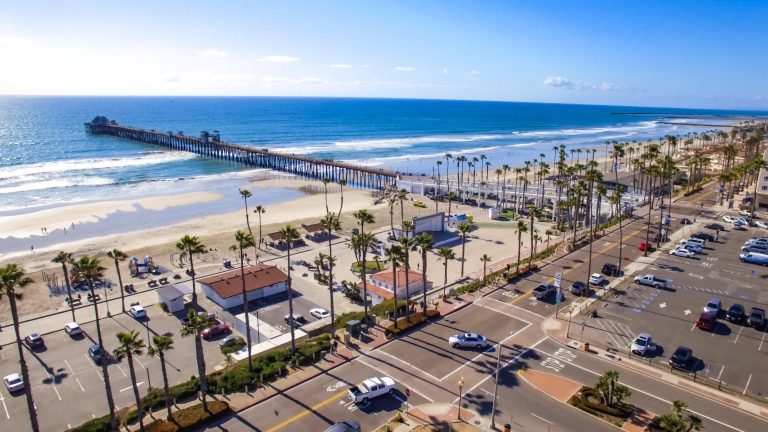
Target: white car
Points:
(319, 313)
(761, 224)
(681, 252)
(741, 220)
(691, 246)
(596, 279)
(467, 340)
(643, 344)
(137, 311)
(13, 383)
(371, 388)
(714, 305)
(729, 219)
(745, 213)
(72, 329)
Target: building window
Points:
(765, 187)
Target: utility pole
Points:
(496, 388)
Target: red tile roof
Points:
(385, 277)
(313, 228)
(260, 276)
(381, 292)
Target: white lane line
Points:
(121, 370)
(77, 380)
(69, 367)
(2, 399)
(131, 387)
(360, 359)
(140, 363)
(483, 304)
(737, 336)
(693, 326)
(721, 373)
(762, 339)
(405, 363)
(53, 382)
(486, 392)
(646, 393)
(616, 315)
(747, 386)
(543, 419)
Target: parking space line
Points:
(53, 382)
(94, 366)
(77, 380)
(762, 339)
(121, 370)
(2, 399)
(739, 334)
(721, 372)
(69, 367)
(747, 386)
(139, 362)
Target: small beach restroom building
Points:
(225, 289)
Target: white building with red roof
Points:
(381, 285)
(226, 289)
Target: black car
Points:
(704, 236)
(96, 353)
(756, 318)
(610, 269)
(685, 221)
(736, 314)
(681, 358)
(715, 226)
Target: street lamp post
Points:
(496, 388)
(461, 395)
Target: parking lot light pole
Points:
(496, 388)
(149, 380)
(461, 395)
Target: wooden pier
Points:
(210, 145)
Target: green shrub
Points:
(403, 324)
(235, 347)
(187, 418)
(343, 319)
(155, 399)
(99, 424)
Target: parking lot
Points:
(731, 355)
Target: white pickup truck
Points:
(371, 388)
(651, 280)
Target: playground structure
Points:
(140, 268)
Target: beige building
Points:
(761, 201)
(381, 285)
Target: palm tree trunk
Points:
(364, 248)
(69, 290)
(104, 361)
(519, 244)
(394, 292)
(23, 365)
(201, 367)
(247, 315)
(120, 281)
(407, 286)
(463, 243)
(330, 284)
(166, 393)
(194, 276)
(445, 275)
(139, 408)
(424, 279)
(290, 302)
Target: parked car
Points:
(707, 321)
(703, 236)
(700, 242)
(72, 328)
(736, 314)
(579, 288)
(715, 226)
(643, 344)
(742, 220)
(754, 258)
(729, 219)
(371, 388)
(650, 280)
(230, 340)
(610, 269)
(681, 358)
(714, 305)
(345, 426)
(645, 246)
(34, 340)
(215, 330)
(544, 290)
(760, 241)
(13, 383)
(755, 248)
(296, 321)
(596, 279)
(685, 221)
(740, 226)
(467, 340)
(681, 252)
(691, 246)
(96, 354)
(319, 313)
(756, 318)
(137, 311)
(760, 224)
(744, 212)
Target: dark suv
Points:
(756, 318)
(681, 358)
(610, 269)
(704, 236)
(736, 314)
(96, 353)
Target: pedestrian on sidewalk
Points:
(334, 346)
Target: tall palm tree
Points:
(325, 181)
(191, 246)
(401, 195)
(342, 183)
(64, 258)
(290, 234)
(446, 254)
(89, 269)
(131, 345)
(331, 223)
(161, 344)
(406, 243)
(364, 217)
(12, 278)
(391, 201)
(521, 228)
(394, 256)
(425, 244)
(448, 157)
(485, 259)
(245, 194)
(117, 255)
(244, 240)
(464, 229)
(194, 326)
(618, 154)
(533, 213)
(259, 210)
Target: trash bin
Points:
(354, 327)
(346, 338)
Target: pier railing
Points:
(210, 145)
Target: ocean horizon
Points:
(47, 159)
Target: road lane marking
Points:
(543, 419)
(405, 363)
(307, 411)
(69, 367)
(140, 363)
(53, 382)
(747, 386)
(121, 370)
(131, 387)
(411, 388)
(486, 392)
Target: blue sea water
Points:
(47, 159)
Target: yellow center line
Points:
(337, 396)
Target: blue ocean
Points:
(47, 159)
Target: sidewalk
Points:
(438, 414)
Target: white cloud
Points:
(278, 59)
(558, 81)
(606, 86)
(757, 98)
(292, 81)
(173, 79)
(341, 66)
(211, 53)
(474, 72)
(445, 71)
(404, 68)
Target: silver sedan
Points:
(467, 340)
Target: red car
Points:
(215, 330)
(645, 246)
(707, 321)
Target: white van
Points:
(754, 258)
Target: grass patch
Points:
(370, 266)
(616, 415)
(99, 424)
(235, 347)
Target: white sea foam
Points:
(386, 143)
(68, 166)
(58, 183)
(590, 131)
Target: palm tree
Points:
(618, 154)
(245, 193)
(342, 183)
(448, 156)
(521, 228)
(194, 325)
(391, 201)
(446, 254)
(259, 210)
(245, 240)
(89, 269)
(394, 256)
(331, 223)
(161, 344)
(534, 213)
(118, 255)
(364, 217)
(64, 258)
(131, 345)
(425, 244)
(13, 278)
(190, 245)
(464, 229)
(325, 181)
(406, 243)
(290, 234)
(485, 259)
(401, 195)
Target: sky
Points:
(696, 53)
